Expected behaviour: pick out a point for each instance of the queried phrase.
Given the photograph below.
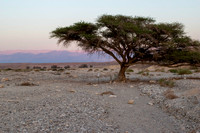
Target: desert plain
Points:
(155, 99)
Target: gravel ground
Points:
(70, 101)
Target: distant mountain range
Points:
(49, 57)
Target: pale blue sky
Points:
(25, 24)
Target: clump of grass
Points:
(169, 94)
(181, 71)
(166, 82)
(144, 73)
(129, 70)
(184, 71)
(173, 70)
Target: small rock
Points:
(152, 81)
(150, 103)
(112, 96)
(130, 101)
(1, 86)
(131, 86)
(72, 91)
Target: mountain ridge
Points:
(51, 57)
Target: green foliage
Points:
(183, 56)
(173, 70)
(129, 70)
(130, 39)
(181, 71)
(184, 71)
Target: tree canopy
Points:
(127, 39)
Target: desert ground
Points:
(155, 99)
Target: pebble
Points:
(131, 102)
(150, 103)
(113, 96)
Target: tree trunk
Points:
(121, 75)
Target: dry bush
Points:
(166, 83)
(89, 70)
(27, 84)
(107, 93)
(169, 94)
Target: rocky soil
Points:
(87, 100)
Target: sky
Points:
(26, 24)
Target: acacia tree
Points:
(127, 39)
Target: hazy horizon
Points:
(25, 25)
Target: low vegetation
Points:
(129, 70)
(27, 84)
(181, 71)
(169, 94)
(83, 66)
(166, 83)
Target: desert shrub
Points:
(144, 73)
(27, 84)
(8, 69)
(166, 82)
(54, 67)
(96, 70)
(36, 67)
(22, 70)
(27, 67)
(36, 70)
(184, 71)
(169, 94)
(129, 70)
(91, 66)
(173, 70)
(105, 69)
(60, 70)
(66, 67)
(83, 66)
(67, 73)
(89, 70)
(181, 71)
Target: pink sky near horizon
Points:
(26, 24)
(9, 52)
